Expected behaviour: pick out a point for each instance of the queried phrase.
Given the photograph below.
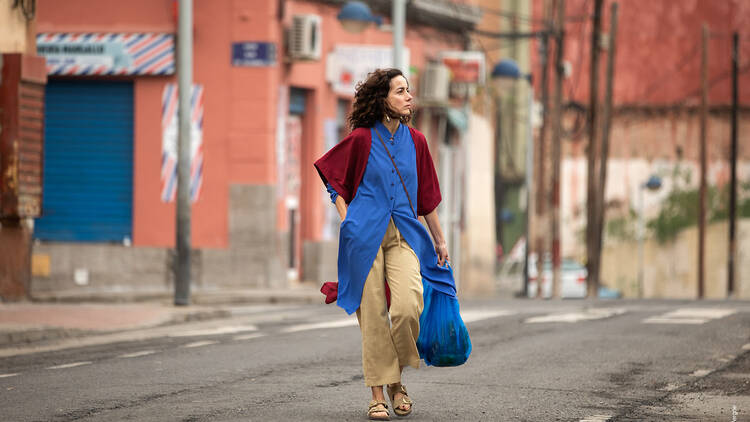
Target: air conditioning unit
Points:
(435, 82)
(305, 37)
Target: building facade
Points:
(274, 81)
(655, 130)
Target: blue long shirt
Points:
(380, 198)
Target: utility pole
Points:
(398, 16)
(606, 124)
(184, 84)
(733, 165)
(557, 147)
(702, 200)
(592, 256)
(541, 198)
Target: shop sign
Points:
(466, 66)
(251, 53)
(107, 53)
(347, 65)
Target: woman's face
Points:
(399, 99)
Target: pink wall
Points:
(239, 133)
(658, 49)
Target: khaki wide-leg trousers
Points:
(389, 345)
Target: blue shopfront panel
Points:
(88, 162)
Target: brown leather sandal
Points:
(392, 390)
(375, 407)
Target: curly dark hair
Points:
(369, 99)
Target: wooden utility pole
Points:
(703, 158)
(592, 256)
(557, 147)
(733, 165)
(541, 198)
(606, 125)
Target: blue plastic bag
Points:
(443, 337)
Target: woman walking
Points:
(380, 178)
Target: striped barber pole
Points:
(169, 143)
(96, 54)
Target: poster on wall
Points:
(347, 65)
(107, 53)
(169, 142)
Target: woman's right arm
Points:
(341, 207)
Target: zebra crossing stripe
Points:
(690, 316)
(585, 315)
(596, 418)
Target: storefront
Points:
(264, 113)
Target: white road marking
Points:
(7, 375)
(586, 315)
(248, 336)
(700, 373)
(473, 315)
(137, 354)
(70, 365)
(596, 418)
(213, 331)
(347, 322)
(200, 344)
(468, 316)
(664, 320)
(694, 316)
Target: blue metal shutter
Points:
(88, 162)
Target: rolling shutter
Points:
(88, 162)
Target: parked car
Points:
(572, 278)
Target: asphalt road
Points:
(531, 361)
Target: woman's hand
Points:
(442, 252)
(341, 207)
(441, 247)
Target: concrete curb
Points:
(199, 297)
(27, 335)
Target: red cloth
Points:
(331, 290)
(344, 166)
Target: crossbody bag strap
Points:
(397, 172)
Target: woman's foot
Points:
(378, 409)
(400, 399)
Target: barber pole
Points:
(169, 143)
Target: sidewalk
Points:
(66, 316)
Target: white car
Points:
(572, 279)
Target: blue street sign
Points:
(251, 53)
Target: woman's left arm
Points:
(433, 222)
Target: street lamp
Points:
(505, 73)
(653, 184)
(356, 16)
